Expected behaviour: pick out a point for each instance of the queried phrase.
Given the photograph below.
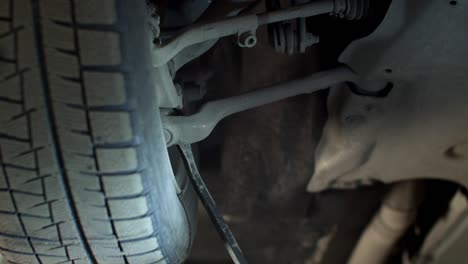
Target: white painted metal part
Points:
(162, 54)
(196, 127)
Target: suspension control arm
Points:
(234, 25)
(196, 127)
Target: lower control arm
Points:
(196, 127)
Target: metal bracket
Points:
(194, 128)
(169, 96)
(210, 205)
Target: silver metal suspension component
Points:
(162, 54)
(196, 127)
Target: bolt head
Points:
(247, 40)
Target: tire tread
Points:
(64, 200)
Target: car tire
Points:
(85, 175)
